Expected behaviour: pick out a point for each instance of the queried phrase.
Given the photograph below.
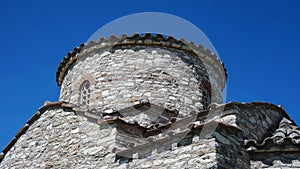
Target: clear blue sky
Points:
(257, 40)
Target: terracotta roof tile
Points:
(287, 132)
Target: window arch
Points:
(85, 93)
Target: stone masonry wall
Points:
(258, 122)
(276, 160)
(230, 149)
(167, 77)
(62, 139)
(199, 154)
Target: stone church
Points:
(150, 101)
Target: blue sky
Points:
(257, 40)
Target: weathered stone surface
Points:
(101, 124)
(61, 146)
(119, 76)
(72, 146)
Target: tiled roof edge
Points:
(286, 133)
(136, 39)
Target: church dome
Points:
(118, 72)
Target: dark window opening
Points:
(206, 98)
(123, 159)
(188, 140)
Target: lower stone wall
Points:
(275, 160)
(231, 152)
(200, 154)
(62, 139)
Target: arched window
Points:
(85, 93)
(205, 87)
(206, 98)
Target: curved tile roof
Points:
(136, 39)
(287, 132)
